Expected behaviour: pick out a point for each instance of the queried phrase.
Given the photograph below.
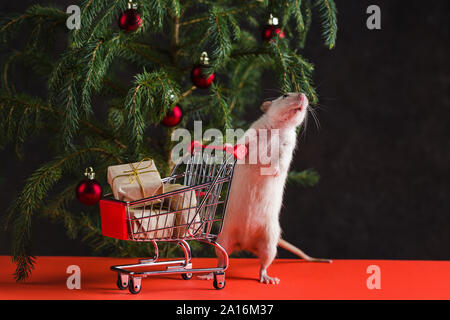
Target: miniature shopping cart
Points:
(191, 208)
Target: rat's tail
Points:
(293, 249)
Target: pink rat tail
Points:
(293, 249)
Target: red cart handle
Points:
(239, 151)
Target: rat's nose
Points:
(303, 99)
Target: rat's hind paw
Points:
(208, 276)
(268, 280)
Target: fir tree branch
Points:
(298, 15)
(219, 106)
(57, 210)
(99, 60)
(144, 54)
(31, 199)
(99, 29)
(187, 93)
(307, 11)
(327, 11)
(306, 178)
(22, 116)
(219, 36)
(156, 92)
(35, 14)
(226, 12)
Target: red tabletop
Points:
(342, 279)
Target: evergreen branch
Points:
(38, 61)
(64, 83)
(103, 22)
(98, 61)
(327, 11)
(282, 60)
(187, 92)
(307, 86)
(35, 14)
(225, 12)
(244, 83)
(79, 72)
(298, 15)
(72, 117)
(143, 54)
(155, 91)
(220, 107)
(31, 199)
(154, 12)
(56, 209)
(116, 120)
(12, 23)
(264, 58)
(219, 35)
(22, 116)
(306, 6)
(306, 178)
(11, 58)
(102, 133)
(89, 11)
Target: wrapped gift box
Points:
(185, 204)
(134, 181)
(146, 221)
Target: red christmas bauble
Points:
(199, 79)
(173, 117)
(270, 31)
(89, 191)
(130, 20)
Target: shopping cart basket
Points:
(192, 208)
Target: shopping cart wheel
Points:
(134, 285)
(219, 280)
(186, 276)
(122, 281)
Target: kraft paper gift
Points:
(134, 181)
(146, 221)
(184, 204)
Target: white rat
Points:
(252, 218)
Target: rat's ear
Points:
(265, 106)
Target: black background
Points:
(382, 150)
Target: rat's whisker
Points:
(319, 106)
(303, 127)
(274, 90)
(315, 117)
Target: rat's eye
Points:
(285, 96)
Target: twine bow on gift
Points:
(133, 174)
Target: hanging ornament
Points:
(130, 20)
(89, 191)
(272, 29)
(198, 73)
(173, 117)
